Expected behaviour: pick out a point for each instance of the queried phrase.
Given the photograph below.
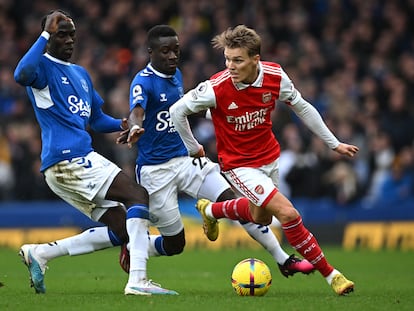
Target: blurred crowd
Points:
(353, 60)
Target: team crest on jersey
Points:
(266, 97)
(259, 189)
(84, 85)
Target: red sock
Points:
(236, 209)
(305, 243)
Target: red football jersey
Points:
(242, 119)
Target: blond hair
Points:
(238, 37)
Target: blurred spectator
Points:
(380, 161)
(354, 60)
(396, 119)
(342, 183)
(291, 146)
(398, 183)
(6, 169)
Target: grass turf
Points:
(384, 280)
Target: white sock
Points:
(137, 229)
(208, 211)
(152, 250)
(86, 242)
(265, 236)
(331, 275)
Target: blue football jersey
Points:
(65, 104)
(155, 93)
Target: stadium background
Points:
(354, 60)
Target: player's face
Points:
(165, 55)
(242, 67)
(61, 43)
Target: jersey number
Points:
(200, 162)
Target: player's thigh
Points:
(201, 178)
(164, 211)
(252, 183)
(83, 182)
(213, 186)
(84, 205)
(90, 176)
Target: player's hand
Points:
(201, 153)
(348, 150)
(123, 137)
(52, 21)
(124, 124)
(134, 134)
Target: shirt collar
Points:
(57, 60)
(257, 83)
(160, 74)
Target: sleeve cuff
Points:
(45, 35)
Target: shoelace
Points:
(151, 282)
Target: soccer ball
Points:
(251, 277)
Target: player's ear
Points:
(149, 50)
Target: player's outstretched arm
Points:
(135, 121)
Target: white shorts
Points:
(198, 178)
(83, 182)
(256, 184)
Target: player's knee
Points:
(263, 220)
(174, 245)
(174, 249)
(227, 194)
(287, 215)
(292, 214)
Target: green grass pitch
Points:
(384, 280)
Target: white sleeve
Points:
(196, 100)
(313, 120)
(288, 92)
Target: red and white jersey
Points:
(242, 114)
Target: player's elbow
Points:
(173, 111)
(179, 111)
(24, 76)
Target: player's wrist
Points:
(45, 34)
(135, 127)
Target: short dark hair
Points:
(157, 32)
(43, 23)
